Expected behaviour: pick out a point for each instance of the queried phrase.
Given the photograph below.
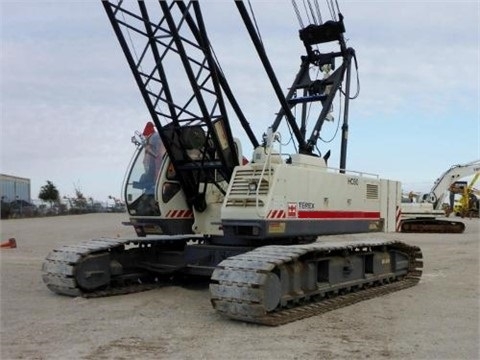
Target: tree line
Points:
(49, 194)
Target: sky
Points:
(69, 104)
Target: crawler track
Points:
(243, 282)
(271, 285)
(62, 266)
(432, 226)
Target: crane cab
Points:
(154, 199)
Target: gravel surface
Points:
(437, 319)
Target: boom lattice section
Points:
(167, 48)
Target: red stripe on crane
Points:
(321, 214)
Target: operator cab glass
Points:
(141, 182)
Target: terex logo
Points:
(305, 205)
(352, 181)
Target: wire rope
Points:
(297, 12)
(255, 21)
(319, 12)
(330, 8)
(306, 11)
(312, 12)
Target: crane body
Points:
(251, 226)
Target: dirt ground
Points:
(437, 319)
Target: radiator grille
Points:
(240, 193)
(372, 191)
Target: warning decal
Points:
(292, 210)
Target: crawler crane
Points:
(251, 226)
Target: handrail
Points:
(271, 138)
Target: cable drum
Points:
(193, 137)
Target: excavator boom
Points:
(423, 216)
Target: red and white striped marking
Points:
(180, 214)
(276, 214)
(398, 219)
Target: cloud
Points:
(70, 104)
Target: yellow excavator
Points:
(468, 204)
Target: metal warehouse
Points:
(14, 188)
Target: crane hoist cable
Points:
(333, 11)
(297, 12)
(319, 13)
(255, 21)
(313, 13)
(307, 12)
(338, 7)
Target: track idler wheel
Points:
(273, 291)
(93, 272)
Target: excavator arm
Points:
(437, 194)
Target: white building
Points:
(14, 188)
